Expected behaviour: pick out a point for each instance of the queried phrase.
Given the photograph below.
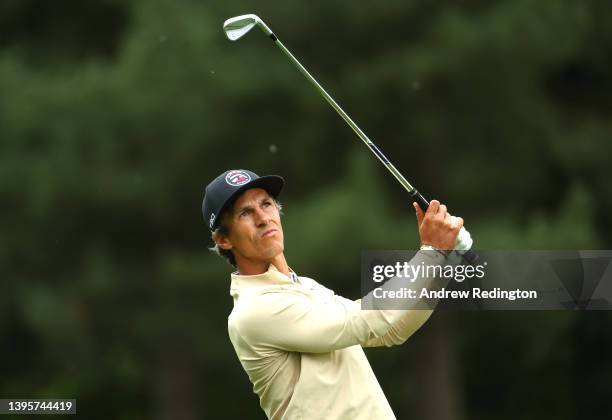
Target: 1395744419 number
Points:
(38, 406)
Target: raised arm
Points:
(293, 320)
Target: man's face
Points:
(255, 231)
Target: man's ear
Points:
(222, 241)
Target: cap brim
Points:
(273, 184)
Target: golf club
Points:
(236, 27)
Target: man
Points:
(299, 342)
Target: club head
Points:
(236, 27)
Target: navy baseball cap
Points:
(224, 188)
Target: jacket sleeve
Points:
(292, 320)
(402, 329)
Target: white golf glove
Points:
(462, 245)
(464, 241)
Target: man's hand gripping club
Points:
(440, 230)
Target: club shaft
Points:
(469, 256)
(373, 148)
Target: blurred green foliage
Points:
(114, 115)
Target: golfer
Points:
(299, 342)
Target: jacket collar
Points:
(269, 278)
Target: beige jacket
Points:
(301, 345)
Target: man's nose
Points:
(261, 217)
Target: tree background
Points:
(114, 115)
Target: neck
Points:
(250, 268)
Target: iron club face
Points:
(238, 26)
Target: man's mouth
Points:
(268, 232)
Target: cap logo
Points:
(212, 220)
(237, 178)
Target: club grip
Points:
(469, 256)
(420, 200)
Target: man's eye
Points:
(266, 203)
(244, 213)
